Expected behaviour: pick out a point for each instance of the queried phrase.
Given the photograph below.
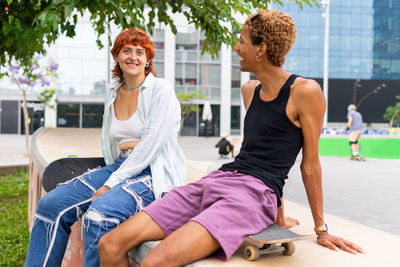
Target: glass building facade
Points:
(364, 41)
(361, 42)
(364, 46)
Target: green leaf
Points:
(57, 2)
(7, 28)
(68, 9)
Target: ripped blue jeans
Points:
(58, 210)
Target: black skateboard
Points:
(273, 239)
(62, 170)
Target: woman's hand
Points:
(100, 191)
(128, 145)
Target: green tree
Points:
(27, 25)
(392, 113)
(187, 106)
(26, 79)
(47, 97)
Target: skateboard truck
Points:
(252, 253)
(273, 239)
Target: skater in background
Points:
(355, 125)
(224, 147)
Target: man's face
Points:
(246, 50)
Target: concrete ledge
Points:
(381, 247)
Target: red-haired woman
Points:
(139, 144)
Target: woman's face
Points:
(132, 60)
(246, 50)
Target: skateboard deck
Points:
(273, 239)
(62, 170)
(359, 158)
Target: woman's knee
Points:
(98, 221)
(49, 204)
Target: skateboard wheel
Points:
(290, 248)
(251, 253)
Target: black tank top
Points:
(271, 141)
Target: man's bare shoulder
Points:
(304, 86)
(248, 92)
(308, 95)
(250, 85)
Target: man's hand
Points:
(100, 191)
(334, 243)
(287, 222)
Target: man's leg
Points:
(114, 246)
(354, 149)
(353, 145)
(159, 219)
(189, 243)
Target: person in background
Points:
(224, 147)
(143, 159)
(355, 125)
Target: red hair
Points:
(133, 36)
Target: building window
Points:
(158, 44)
(235, 117)
(92, 116)
(68, 115)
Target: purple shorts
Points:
(230, 205)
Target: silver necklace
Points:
(134, 87)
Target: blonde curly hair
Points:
(276, 29)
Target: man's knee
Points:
(107, 248)
(152, 260)
(353, 142)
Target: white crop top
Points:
(127, 130)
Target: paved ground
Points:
(364, 192)
(12, 150)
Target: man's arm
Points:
(310, 105)
(218, 144)
(349, 122)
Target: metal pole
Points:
(326, 4)
(108, 56)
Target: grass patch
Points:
(383, 148)
(14, 229)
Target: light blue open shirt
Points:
(160, 112)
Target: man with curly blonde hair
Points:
(215, 214)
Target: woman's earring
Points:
(147, 65)
(116, 61)
(258, 58)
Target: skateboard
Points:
(62, 170)
(359, 158)
(273, 239)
